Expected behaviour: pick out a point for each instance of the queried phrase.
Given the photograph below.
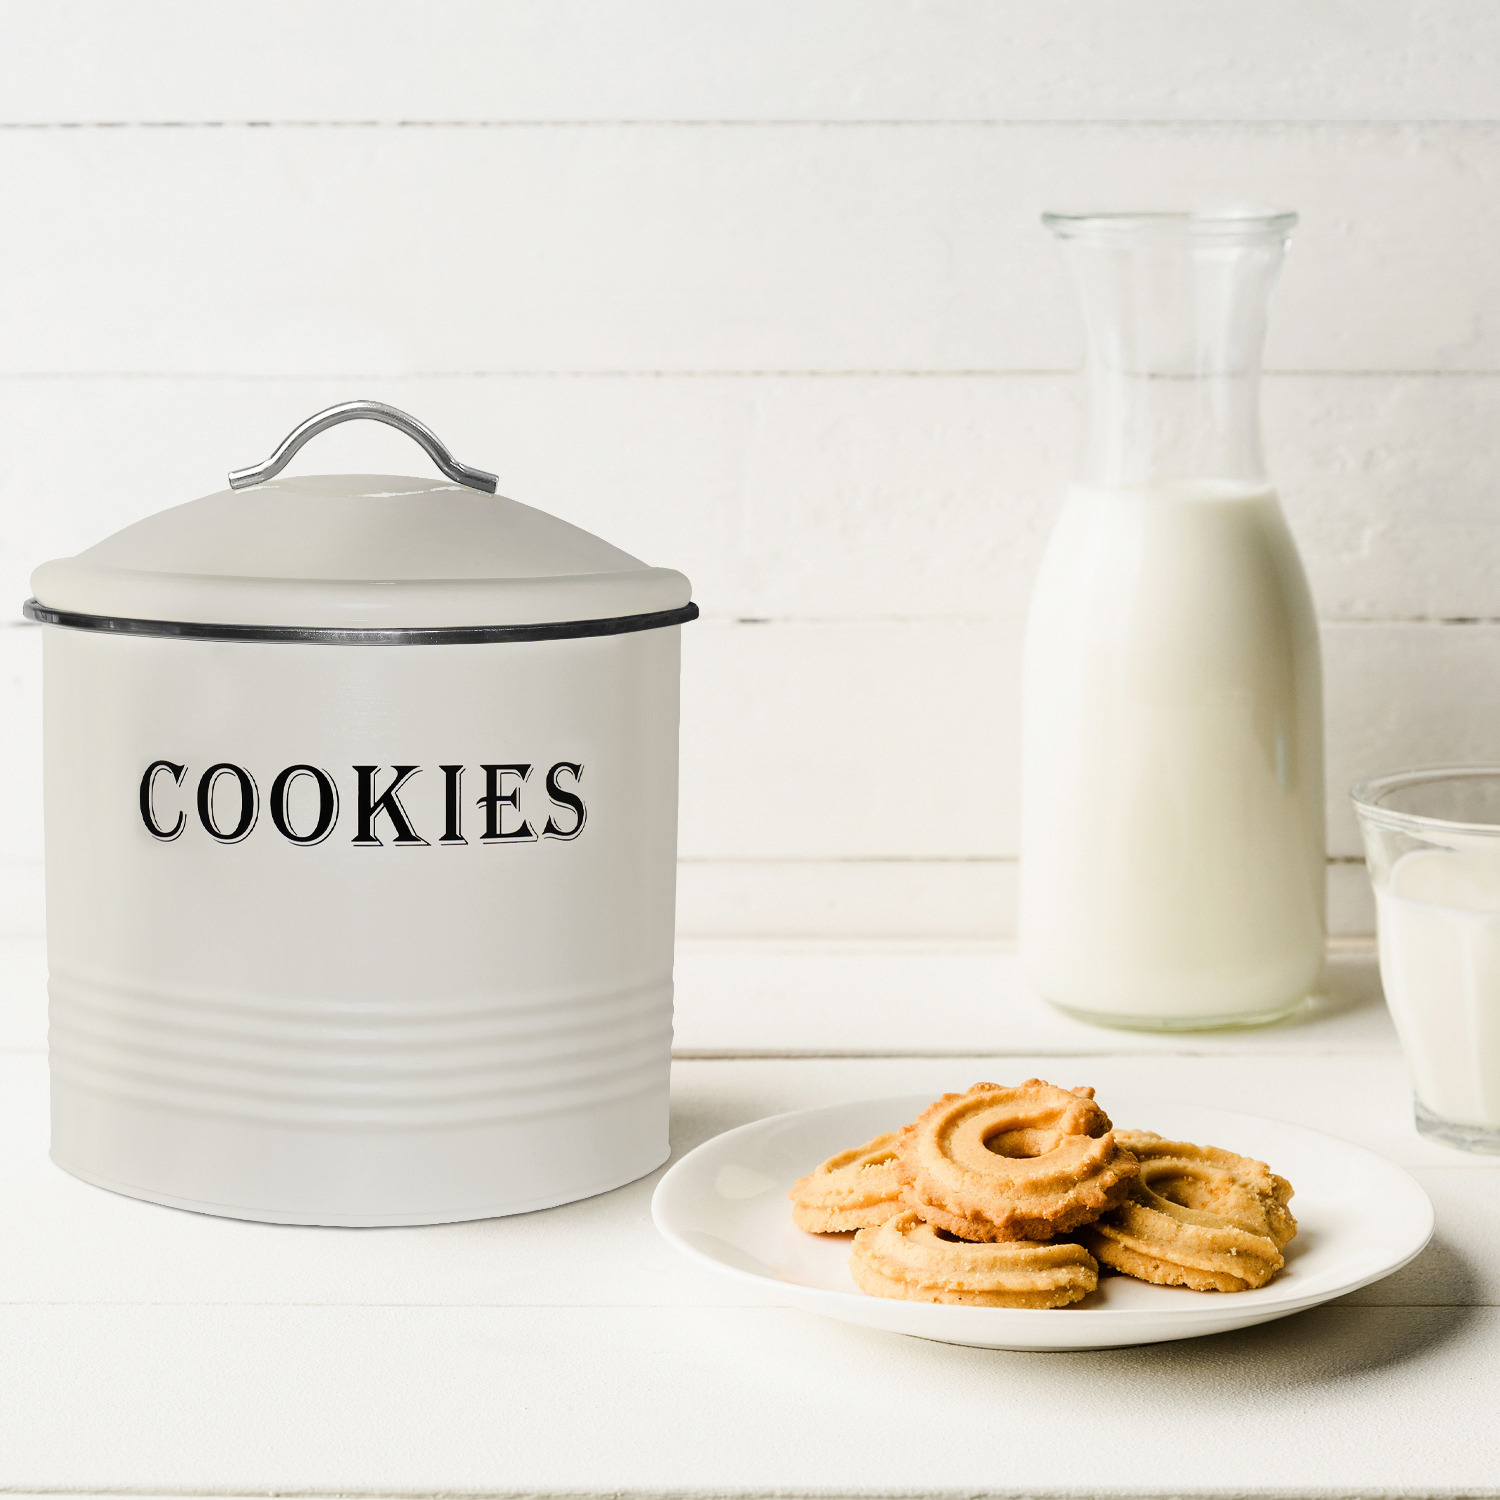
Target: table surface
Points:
(153, 1351)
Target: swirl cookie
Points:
(1020, 1163)
(1196, 1217)
(909, 1259)
(853, 1190)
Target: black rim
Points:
(446, 635)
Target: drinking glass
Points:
(1432, 843)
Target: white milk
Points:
(1172, 851)
(1440, 966)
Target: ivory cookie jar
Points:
(361, 807)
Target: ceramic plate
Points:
(725, 1205)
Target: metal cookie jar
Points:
(361, 811)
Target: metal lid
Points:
(357, 556)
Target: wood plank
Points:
(387, 251)
(777, 59)
(794, 497)
(1405, 695)
(902, 900)
(925, 901)
(836, 740)
(906, 900)
(1459, 1268)
(893, 999)
(1397, 695)
(849, 900)
(21, 760)
(23, 993)
(699, 1400)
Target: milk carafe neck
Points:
(1175, 309)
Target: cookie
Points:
(911, 1260)
(1022, 1163)
(1197, 1217)
(853, 1190)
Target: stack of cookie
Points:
(1011, 1197)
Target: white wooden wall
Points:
(757, 289)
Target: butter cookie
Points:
(853, 1190)
(911, 1260)
(1021, 1163)
(1196, 1217)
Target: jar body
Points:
(1173, 865)
(279, 993)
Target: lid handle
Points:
(374, 411)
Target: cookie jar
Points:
(361, 818)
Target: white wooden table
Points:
(148, 1351)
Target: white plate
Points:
(724, 1204)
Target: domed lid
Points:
(357, 553)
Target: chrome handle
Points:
(374, 411)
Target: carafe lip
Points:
(1207, 224)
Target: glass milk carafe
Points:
(1172, 844)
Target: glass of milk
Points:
(1432, 843)
(1172, 813)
